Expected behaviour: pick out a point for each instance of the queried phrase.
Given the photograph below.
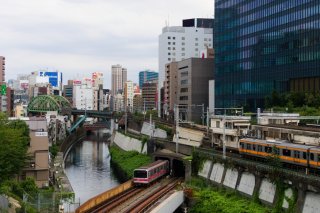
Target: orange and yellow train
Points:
(302, 155)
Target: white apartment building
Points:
(118, 78)
(83, 95)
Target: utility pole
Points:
(207, 120)
(202, 114)
(224, 135)
(177, 127)
(151, 126)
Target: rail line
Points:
(113, 203)
(143, 205)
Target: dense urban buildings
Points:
(146, 76)
(265, 46)
(118, 79)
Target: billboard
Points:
(55, 78)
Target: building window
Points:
(169, 43)
(182, 43)
(169, 48)
(196, 39)
(182, 49)
(173, 48)
(196, 49)
(183, 98)
(169, 59)
(196, 44)
(173, 38)
(183, 54)
(184, 90)
(169, 53)
(173, 43)
(169, 37)
(205, 39)
(184, 82)
(184, 74)
(183, 38)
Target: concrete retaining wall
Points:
(249, 184)
(158, 133)
(231, 178)
(311, 203)
(170, 204)
(190, 134)
(129, 144)
(217, 173)
(206, 169)
(267, 191)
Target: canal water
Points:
(88, 166)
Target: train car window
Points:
(242, 145)
(312, 156)
(253, 147)
(286, 152)
(259, 148)
(140, 174)
(249, 146)
(268, 149)
(304, 155)
(296, 154)
(318, 157)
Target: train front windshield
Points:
(140, 174)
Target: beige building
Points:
(128, 95)
(118, 78)
(170, 84)
(38, 166)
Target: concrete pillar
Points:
(240, 171)
(223, 175)
(258, 181)
(302, 189)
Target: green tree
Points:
(14, 140)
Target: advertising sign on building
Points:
(55, 78)
(3, 89)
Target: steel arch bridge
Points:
(44, 103)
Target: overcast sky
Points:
(78, 37)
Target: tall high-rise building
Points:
(146, 76)
(2, 68)
(118, 79)
(265, 46)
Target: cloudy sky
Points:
(78, 37)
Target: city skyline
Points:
(78, 38)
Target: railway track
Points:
(137, 197)
(143, 205)
(113, 203)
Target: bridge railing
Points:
(101, 198)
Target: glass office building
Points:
(147, 76)
(263, 46)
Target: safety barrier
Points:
(104, 197)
